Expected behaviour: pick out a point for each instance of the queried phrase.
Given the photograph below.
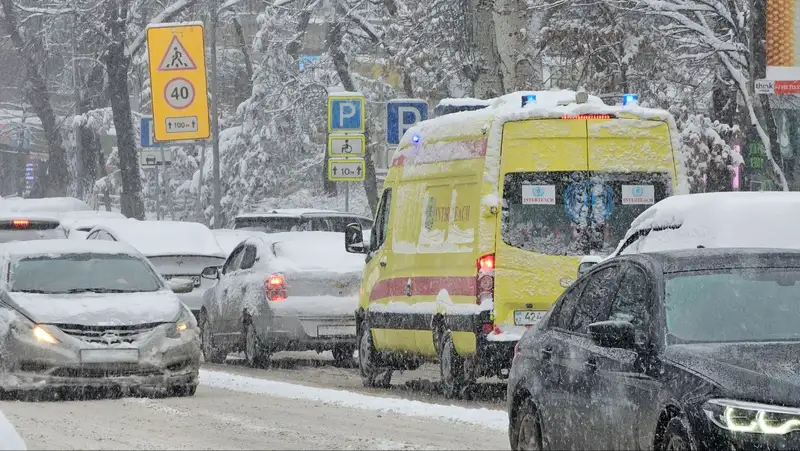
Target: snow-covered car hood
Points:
(98, 309)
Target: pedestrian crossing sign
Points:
(178, 85)
(176, 57)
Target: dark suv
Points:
(299, 220)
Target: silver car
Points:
(92, 314)
(292, 291)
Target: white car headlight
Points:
(22, 326)
(185, 321)
(743, 416)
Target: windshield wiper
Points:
(97, 290)
(34, 291)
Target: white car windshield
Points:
(85, 272)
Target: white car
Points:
(281, 292)
(177, 249)
(92, 314)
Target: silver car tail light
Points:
(275, 288)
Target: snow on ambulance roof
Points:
(509, 108)
(47, 204)
(313, 251)
(165, 238)
(732, 219)
(58, 247)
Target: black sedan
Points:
(693, 349)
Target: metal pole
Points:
(165, 181)
(200, 215)
(158, 196)
(77, 129)
(215, 119)
(347, 197)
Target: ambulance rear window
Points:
(573, 213)
(534, 216)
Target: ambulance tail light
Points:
(484, 286)
(275, 288)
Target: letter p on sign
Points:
(402, 114)
(346, 113)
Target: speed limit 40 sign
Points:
(176, 54)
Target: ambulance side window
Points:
(381, 227)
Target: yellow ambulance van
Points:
(484, 217)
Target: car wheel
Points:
(343, 354)
(526, 433)
(210, 353)
(371, 376)
(451, 367)
(254, 351)
(183, 390)
(677, 437)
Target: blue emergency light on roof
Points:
(630, 99)
(528, 98)
(415, 139)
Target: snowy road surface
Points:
(232, 411)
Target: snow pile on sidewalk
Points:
(494, 419)
(9, 439)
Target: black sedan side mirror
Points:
(210, 272)
(354, 239)
(613, 334)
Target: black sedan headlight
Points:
(742, 416)
(185, 321)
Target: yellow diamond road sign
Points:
(176, 56)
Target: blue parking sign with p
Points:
(346, 114)
(402, 114)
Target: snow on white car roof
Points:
(47, 204)
(74, 221)
(726, 219)
(312, 251)
(165, 238)
(228, 239)
(59, 247)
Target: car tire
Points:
(343, 355)
(183, 390)
(255, 353)
(210, 353)
(677, 437)
(371, 376)
(451, 368)
(526, 432)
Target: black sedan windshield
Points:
(75, 273)
(733, 306)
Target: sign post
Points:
(178, 86)
(346, 140)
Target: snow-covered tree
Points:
(708, 156)
(724, 31)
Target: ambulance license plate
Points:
(527, 317)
